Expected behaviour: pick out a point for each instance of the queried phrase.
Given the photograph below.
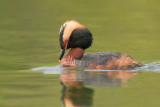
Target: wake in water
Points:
(50, 70)
(153, 67)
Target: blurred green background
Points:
(29, 32)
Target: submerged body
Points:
(77, 37)
(99, 60)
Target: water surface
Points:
(29, 39)
(79, 87)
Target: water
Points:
(79, 85)
(29, 40)
(50, 70)
(153, 67)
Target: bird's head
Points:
(74, 35)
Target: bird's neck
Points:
(75, 53)
(70, 59)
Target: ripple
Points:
(50, 70)
(153, 67)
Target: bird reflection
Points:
(75, 92)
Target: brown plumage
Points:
(75, 36)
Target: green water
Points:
(29, 38)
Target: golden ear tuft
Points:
(69, 27)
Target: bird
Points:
(77, 38)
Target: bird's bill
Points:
(62, 53)
(63, 50)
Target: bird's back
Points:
(107, 60)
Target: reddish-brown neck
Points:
(75, 53)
